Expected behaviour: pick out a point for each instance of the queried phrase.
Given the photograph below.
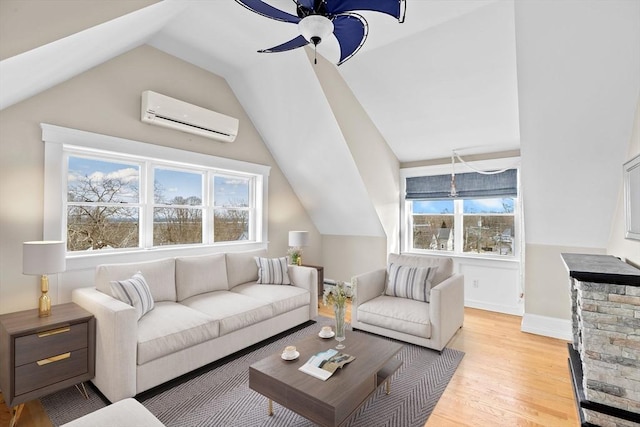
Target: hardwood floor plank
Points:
(506, 378)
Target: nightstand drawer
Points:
(51, 370)
(38, 346)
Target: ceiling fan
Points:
(317, 19)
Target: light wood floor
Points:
(506, 378)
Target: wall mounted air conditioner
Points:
(162, 110)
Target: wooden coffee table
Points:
(330, 402)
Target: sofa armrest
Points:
(116, 342)
(306, 278)
(446, 309)
(369, 285)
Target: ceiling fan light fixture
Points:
(314, 28)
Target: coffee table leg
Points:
(388, 386)
(270, 409)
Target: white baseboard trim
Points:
(547, 326)
(516, 310)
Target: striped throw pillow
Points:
(273, 271)
(135, 292)
(410, 282)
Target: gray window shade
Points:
(468, 185)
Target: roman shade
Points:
(471, 185)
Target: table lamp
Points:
(42, 258)
(298, 239)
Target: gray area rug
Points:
(220, 395)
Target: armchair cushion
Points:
(410, 282)
(398, 314)
(444, 264)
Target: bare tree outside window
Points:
(99, 211)
(177, 214)
(231, 208)
(487, 225)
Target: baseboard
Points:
(547, 326)
(498, 308)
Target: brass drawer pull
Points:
(54, 332)
(54, 359)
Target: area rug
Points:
(219, 394)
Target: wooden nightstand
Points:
(320, 280)
(41, 355)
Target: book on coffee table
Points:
(323, 364)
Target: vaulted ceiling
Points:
(444, 79)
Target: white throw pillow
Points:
(273, 271)
(135, 292)
(410, 282)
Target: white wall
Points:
(493, 285)
(578, 81)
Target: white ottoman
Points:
(124, 413)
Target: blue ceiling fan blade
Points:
(291, 44)
(261, 8)
(351, 31)
(308, 4)
(395, 8)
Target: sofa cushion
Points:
(409, 282)
(199, 274)
(160, 276)
(444, 264)
(135, 292)
(273, 271)
(398, 314)
(233, 310)
(242, 268)
(171, 327)
(282, 298)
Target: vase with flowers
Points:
(295, 256)
(337, 297)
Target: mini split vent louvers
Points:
(169, 112)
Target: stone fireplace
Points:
(604, 356)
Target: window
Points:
(123, 195)
(433, 224)
(488, 225)
(231, 212)
(103, 204)
(481, 220)
(178, 207)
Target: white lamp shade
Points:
(315, 26)
(44, 257)
(298, 238)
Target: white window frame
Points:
(60, 142)
(406, 223)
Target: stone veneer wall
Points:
(606, 331)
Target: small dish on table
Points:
(291, 356)
(331, 334)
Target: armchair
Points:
(416, 299)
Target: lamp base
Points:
(44, 306)
(44, 303)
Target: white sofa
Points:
(205, 308)
(429, 324)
